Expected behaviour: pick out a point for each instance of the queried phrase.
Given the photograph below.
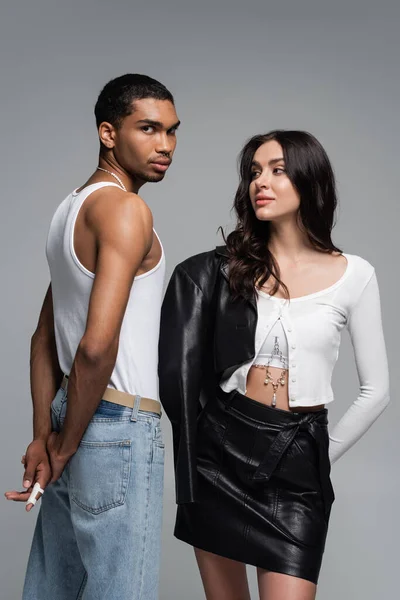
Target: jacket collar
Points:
(222, 251)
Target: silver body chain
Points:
(268, 378)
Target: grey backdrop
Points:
(236, 69)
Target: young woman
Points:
(250, 334)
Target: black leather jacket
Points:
(203, 333)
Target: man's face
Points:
(145, 142)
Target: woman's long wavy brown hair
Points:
(309, 169)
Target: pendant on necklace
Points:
(274, 400)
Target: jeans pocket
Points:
(99, 475)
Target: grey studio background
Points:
(235, 69)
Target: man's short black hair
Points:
(115, 101)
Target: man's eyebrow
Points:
(150, 122)
(157, 124)
(176, 125)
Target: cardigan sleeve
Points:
(365, 328)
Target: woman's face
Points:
(272, 194)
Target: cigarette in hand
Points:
(36, 490)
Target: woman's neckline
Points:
(313, 294)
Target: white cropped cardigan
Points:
(313, 325)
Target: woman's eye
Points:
(254, 174)
(279, 170)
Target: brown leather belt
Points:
(125, 399)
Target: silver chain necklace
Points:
(115, 176)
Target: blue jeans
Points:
(98, 531)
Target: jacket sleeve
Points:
(182, 346)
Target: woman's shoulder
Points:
(359, 266)
(204, 260)
(360, 274)
(203, 268)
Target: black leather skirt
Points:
(264, 490)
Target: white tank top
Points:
(135, 369)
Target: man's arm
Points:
(123, 232)
(45, 372)
(45, 376)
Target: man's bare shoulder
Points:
(116, 212)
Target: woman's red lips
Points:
(263, 197)
(262, 200)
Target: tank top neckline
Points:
(98, 183)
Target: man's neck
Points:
(131, 184)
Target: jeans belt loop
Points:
(135, 409)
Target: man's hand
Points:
(37, 469)
(58, 457)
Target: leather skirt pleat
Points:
(264, 489)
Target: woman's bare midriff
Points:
(256, 390)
